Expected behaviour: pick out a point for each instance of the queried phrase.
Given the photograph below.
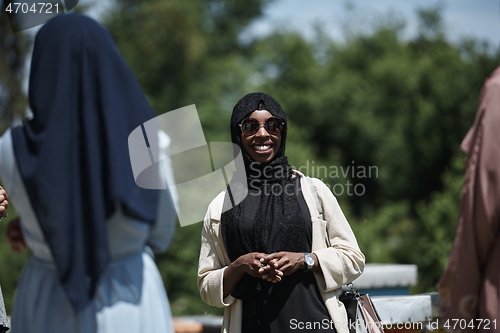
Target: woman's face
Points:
(261, 146)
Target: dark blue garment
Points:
(73, 155)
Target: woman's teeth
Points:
(262, 148)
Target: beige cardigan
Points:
(333, 242)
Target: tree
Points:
(12, 69)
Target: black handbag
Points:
(362, 317)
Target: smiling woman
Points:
(261, 142)
(273, 260)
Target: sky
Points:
(475, 18)
(471, 18)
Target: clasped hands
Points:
(270, 267)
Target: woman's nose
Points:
(262, 132)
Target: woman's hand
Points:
(248, 263)
(286, 262)
(15, 236)
(269, 271)
(252, 264)
(4, 204)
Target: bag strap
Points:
(319, 207)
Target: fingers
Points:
(272, 262)
(4, 204)
(272, 267)
(286, 262)
(278, 265)
(3, 192)
(258, 255)
(275, 260)
(273, 276)
(250, 263)
(253, 264)
(273, 256)
(267, 270)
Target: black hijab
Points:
(278, 224)
(73, 155)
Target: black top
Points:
(295, 302)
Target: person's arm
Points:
(342, 261)
(211, 266)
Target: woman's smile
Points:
(261, 147)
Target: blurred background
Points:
(389, 87)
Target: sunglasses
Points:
(273, 125)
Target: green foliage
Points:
(15, 48)
(436, 226)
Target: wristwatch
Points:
(309, 260)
